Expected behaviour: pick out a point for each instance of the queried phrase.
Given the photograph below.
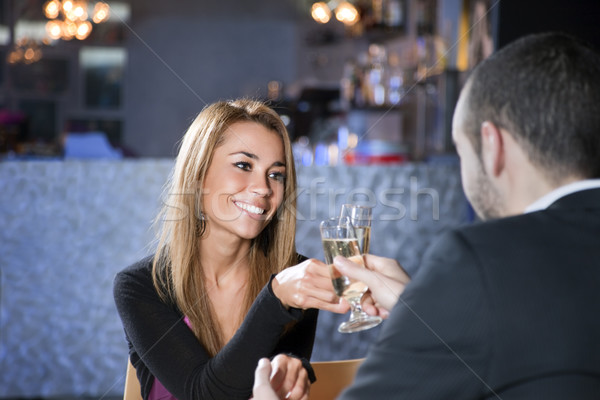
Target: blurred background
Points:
(94, 97)
(140, 75)
(377, 79)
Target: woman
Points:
(202, 311)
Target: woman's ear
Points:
(492, 149)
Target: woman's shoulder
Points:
(140, 272)
(143, 266)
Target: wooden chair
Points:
(133, 391)
(332, 378)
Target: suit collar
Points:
(562, 191)
(589, 198)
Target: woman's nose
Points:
(260, 186)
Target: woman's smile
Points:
(251, 209)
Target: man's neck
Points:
(527, 187)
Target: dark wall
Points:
(517, 18)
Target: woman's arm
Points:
(175, 357)
(299, 339)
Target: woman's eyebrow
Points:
(249, 155)
(255, 157)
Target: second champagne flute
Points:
(339, 239)
(360, 218)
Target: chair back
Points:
(332, 378)
(133, 390)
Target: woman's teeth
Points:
(250, 208)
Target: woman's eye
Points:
(242, 165)
(278, 176)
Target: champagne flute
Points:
(360, 218)
(339, 238)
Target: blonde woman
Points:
(217, 296)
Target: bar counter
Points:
(67, 227)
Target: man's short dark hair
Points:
(545, 90)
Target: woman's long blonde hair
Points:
(177, 271)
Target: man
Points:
(507, 308)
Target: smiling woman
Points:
(219, 293)
(244, 185)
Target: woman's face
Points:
(245, 181)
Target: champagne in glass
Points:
(339, 239)
(360, 218)
(342, 285)
(363, 233)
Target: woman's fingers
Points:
(307, 285)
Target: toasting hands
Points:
(308, 285)
(385, 278)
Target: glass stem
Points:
(356, 307)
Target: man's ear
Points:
(492, 148)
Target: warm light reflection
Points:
(346, 13)
(273, 90)
(25, 51)
(14, 57)
(80, 12)
(29, 54)
(101, 12)
(69, 30)
(69, 19)
(352, 140)
(83, 30)
(333, 154)
(67, 5)
(52, 9)
(320, 12)
(54, 29)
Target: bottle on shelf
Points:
(394, 14)
(395, 90)
(374, 84)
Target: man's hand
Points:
(262, 389)
(283, 378)
(289, 379)
(385, 278)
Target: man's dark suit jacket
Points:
(505, 309)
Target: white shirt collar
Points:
(543, 202)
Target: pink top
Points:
(158, 391)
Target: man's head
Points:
(543, 91)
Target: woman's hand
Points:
(385, 278)
(308, 285)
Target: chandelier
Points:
(70, 19)
(345, 12)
